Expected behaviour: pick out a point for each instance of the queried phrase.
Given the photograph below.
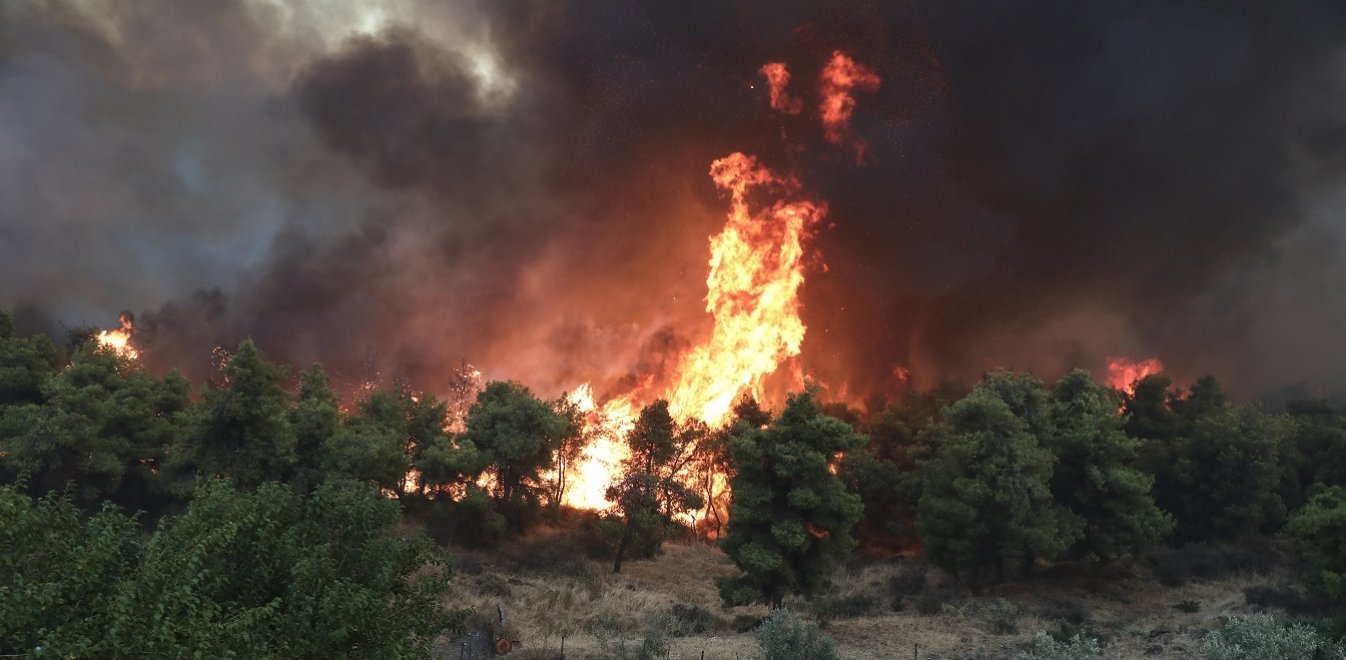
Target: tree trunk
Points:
(621, 549)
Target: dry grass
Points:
(1133, 615)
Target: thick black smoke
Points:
(523, 185)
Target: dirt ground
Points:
(1133, 615)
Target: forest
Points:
(262, 515)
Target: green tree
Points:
(25, 364)
(371, 445)
(1228, 472)
(1319, 531)
(986, 499)
(1317, 456)
(315, 419)
(791, 517)
(516, 435)
(104, 426)
(650, 491)
(1093, 476)
(243, 431)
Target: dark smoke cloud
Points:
(523, 185)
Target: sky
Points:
(397, 187)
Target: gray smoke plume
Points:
(392, 188)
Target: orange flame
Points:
(119, 340)
(756, 269)
(777, 77)
(839, 80)
(1123, 373)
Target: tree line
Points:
(986, 482)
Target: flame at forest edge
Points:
(756, 269)
(118, 340)
(1123, 373)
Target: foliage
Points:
(786, 636)
(59, 573)
(1260, 637)
(269, 573)
(371, 445)
(1218, 468)
(1319, 531)
(470, 521)
(649, 491)
(243, 431)
(1046, 647)
(791, 516)
(985, 498)
(103, 426)
(315, 418)
(1229, 472)
(1093, 477)
(517, 436)
(1318, 445)
(25, 364)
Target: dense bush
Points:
(693, 619)
(1046, 647)
(786, 636)
(1260, 637)
(270, 573)
(1319, 531)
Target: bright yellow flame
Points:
(119, 340)
(756, 269)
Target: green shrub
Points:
(786, 636)
(1261, 637)
(693, 619)
(1046, 647)
(270, 573)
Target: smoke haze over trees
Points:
(393, 190)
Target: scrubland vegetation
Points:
(265, 517)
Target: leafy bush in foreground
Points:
(265, 574)
(786, 636)
(1260, 637)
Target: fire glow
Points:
(757, 264)
(1123, 373)
(118, 340)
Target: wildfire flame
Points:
(777, 77)
(1123, 373)
(119, 340)
(840, 79)
(756, 269)
(757, 264)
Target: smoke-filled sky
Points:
(398, 186)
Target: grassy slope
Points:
(1126, 607)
